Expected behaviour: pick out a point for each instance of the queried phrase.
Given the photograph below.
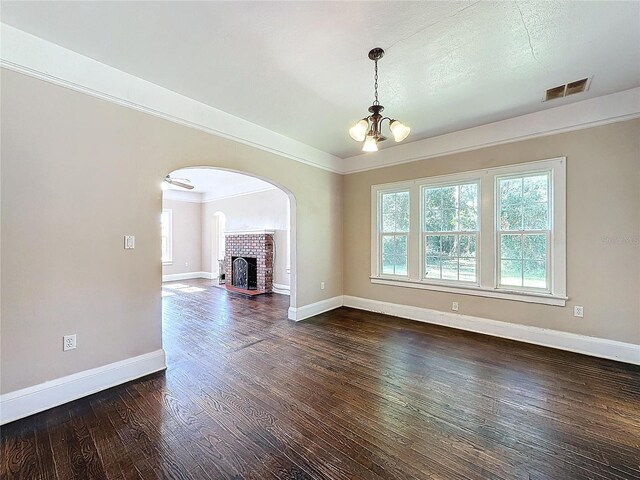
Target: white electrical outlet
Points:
(454, 306)
(578, 311)
(321, 285)
(68, 342)
(129, 242)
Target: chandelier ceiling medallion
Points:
(368, 130)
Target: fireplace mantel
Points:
(250, 232)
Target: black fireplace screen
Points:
(244, 273)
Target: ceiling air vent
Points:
(568, 89)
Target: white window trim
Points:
(169, 259)
(487, 248)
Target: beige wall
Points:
(603, 232)
(187, 234)
(256, 211)
(78, 174)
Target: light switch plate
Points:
(129, 242)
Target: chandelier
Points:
(368, 130)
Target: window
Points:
(524, 231)
(498, 233)
(451, 232)
(166, 232)
(394, 232)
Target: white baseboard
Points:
(187, 276)
(306, 311)
(281, 289)
(594, 346)
(27, 401)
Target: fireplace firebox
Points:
(244, 273)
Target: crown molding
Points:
(31, 55)
(210, 197)
(616, 107)
(232, 233)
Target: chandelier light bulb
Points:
(400, 130)
(370, 144)
(359, 131)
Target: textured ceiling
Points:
(301, 68)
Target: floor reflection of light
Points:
(176, 286)
(192, 289)
(167, 294)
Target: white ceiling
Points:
(300, 68)
(212, 183)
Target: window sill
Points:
(529, 297)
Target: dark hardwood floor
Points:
(347, 394)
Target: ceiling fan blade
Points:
(180, 184)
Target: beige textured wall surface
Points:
(255, 211)
(78, 174)
(603, 232)
(187, 234)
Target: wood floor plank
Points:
(347, 394)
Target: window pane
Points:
(511, 272)
(535, 216)
(448, 246)
(467, 246)
(401, 265)
(388, 265)
(433, 245)
(402, 212)
(388, 222)
(468, 196)
(468, 269)
(511, 217)
(449, 220)
(395, 212)
(400, 245)
(535, 274)
(432, 267)
(449, 197)
(511, 191)
(433, 220)
(468, 219)
(433, 198)
(511, 247)
(534, 247)
(394, 254)
(535, 189)
(388, 202)
(449, 269)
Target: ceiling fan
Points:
(179, 182)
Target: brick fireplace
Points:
(252, 254)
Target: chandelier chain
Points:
(376, 102)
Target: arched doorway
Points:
(229, 202)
